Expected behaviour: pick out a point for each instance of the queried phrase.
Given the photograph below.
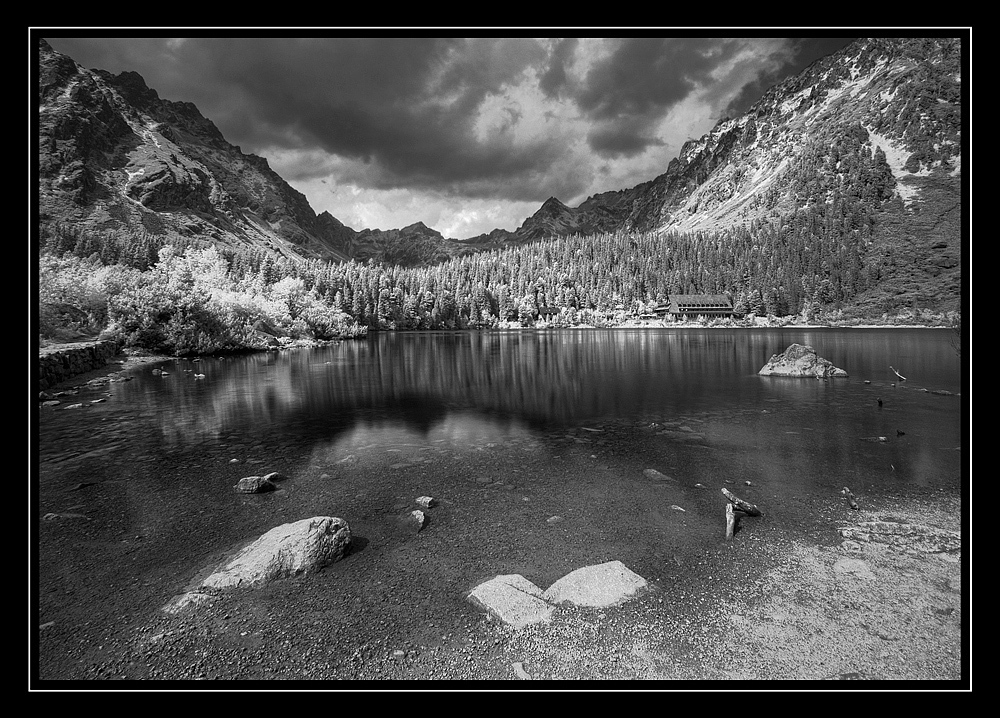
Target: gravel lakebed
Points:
(785, 600)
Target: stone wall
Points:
(56, 364)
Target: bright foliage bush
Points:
(187, 303)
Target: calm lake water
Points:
(537, 445)
(487, 385)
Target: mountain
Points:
(899, 99)
(114, 157)
(555, 219)
(412, 246)
(899, 96)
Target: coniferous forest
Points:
(196, 297)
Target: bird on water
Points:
(879, 400)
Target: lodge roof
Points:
(709, 302)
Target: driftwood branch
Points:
(897, 373)
(735, 510)
(742, 505)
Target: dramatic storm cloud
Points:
(463, 134)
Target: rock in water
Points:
(287, 550)
(800, 360)
(419, 519)
(254, 485)
(655, 475)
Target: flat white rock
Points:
(606, 584)
(513, 599)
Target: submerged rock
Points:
(800, 360)
(656, 475)
(913, 537)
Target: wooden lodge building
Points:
(697, 306)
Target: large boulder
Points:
(800, 360)
(287, 550)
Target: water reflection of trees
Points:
(541, 378)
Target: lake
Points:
(535, 443)
(462, 389)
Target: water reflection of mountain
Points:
(541, 378)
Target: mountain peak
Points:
(133, 88)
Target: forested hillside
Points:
(198, 298)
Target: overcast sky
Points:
(463, 134)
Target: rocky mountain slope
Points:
(114, 157)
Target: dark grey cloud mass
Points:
(629, 93)
(503, 118)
